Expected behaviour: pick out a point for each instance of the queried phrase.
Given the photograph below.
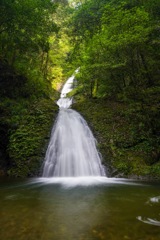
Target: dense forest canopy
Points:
(116, 45)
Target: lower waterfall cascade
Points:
(72, 148)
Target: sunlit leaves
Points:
(124, 27)
(113, 38)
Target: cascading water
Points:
(72, 149)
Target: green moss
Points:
(127, 146)
(27, 141)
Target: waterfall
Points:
(72, 149)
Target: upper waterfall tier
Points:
(64, 101)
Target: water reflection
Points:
(155, 199)
(152, 201)
(74, 216)
(149, 221)
(51, 210)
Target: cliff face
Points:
(129, 146)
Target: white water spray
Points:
(72, 149)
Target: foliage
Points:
(26, 118)
(33, 38)
(120, 54)
(27, 140)
(127, 148)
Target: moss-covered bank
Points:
(27, 113)
(127, 146)
(25, 132)
(28, 142)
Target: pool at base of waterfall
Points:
(83, 208)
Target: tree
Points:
(119, 49)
